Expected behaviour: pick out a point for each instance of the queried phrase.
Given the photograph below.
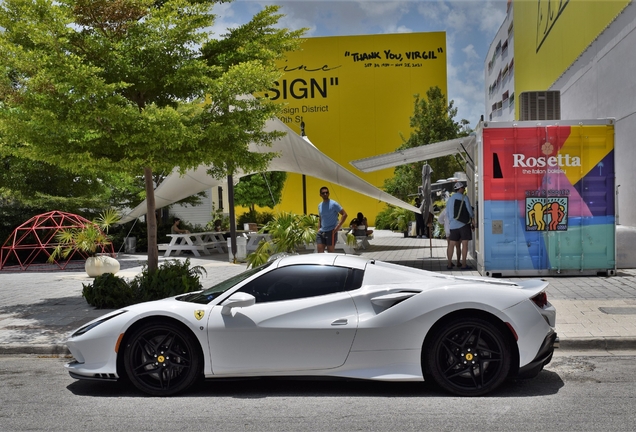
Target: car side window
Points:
(299, 281)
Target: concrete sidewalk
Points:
(41, 306)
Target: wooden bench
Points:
(204, 242)
(362, 242)
(178, 248)
(254, 239)
(219, 246)
(342, 243)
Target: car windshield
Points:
(206, 296)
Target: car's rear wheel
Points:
(161, 359)
(468, 357)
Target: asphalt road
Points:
(577, 391)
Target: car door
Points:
(303, 320)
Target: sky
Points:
(470, 27)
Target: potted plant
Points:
(88, 241)
(351, 240)
(400, 219)
(288, 231)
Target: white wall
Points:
(601, 83)
(194, 215)
(507, 112)
(202, 213)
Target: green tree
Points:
(41, 185)
(432, 121)
(136, 86)
(262, 189)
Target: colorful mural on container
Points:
(548, 196)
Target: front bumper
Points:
(77, 371)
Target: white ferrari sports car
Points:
(327, 315)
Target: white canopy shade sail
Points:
(415, 154)
(296, 155)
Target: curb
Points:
(54, 349)
(596, 343)
(573, 344)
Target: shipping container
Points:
(545, 198)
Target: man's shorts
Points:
(326, 238)
(461, 234)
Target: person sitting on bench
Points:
(362, 226)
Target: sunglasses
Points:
(324, 193)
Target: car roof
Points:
(324, 259)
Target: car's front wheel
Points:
(468, 356)
(161, 359)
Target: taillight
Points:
(541, 299)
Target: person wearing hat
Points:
(443, 218)
(460, 232)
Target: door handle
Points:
(341, 321)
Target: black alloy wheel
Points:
(469, 357)
(161, 359)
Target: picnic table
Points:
(253, 240)
(197, 243)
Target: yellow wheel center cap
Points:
(469, 357)
(161, 359)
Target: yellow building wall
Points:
(355, 95)
(550, 35)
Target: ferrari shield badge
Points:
(198, 314)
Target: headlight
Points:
(94, 324)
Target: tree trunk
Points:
(230, 196)
(151, 221)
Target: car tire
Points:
(468, 356)
(162, 359)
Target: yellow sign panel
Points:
(550, 35)
(354, 95)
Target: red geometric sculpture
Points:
(36, 239)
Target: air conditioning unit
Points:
(540, 105)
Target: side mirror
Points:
(237, 300)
